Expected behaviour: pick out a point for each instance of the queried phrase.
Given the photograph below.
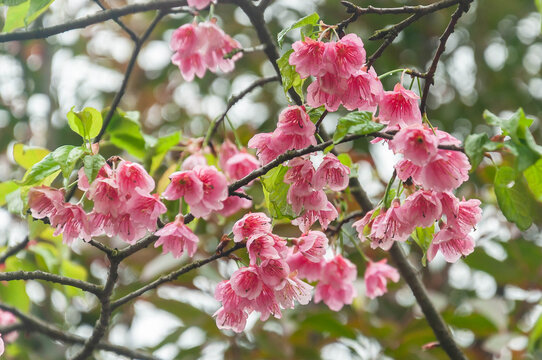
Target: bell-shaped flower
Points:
(376, 278)
(176, 237)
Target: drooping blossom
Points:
(308, 57)
(131, 176)
(305, 268)
(267, 304)
(399, 108)
(451, 245)
(294, 289)
(300, 170)
(376, 278)
(129, 230)
(364, 225)
(344, 57)
(312, 245)
(232, 319)
(105, 194)
(264, 246)
(468, 215)
(309, 217)
(146, 209)
(196, 159)
(229, 298)
(295, 130)
(240, 165)
(326, 90)
(227, 150)
(246, 283)
(215, 190)
(389, 226)
(364, 91)
(184, 184)
(417, 143)
(176, 238)
(422, 208)
(262, 143)
(335, 287)
(331, 173)
(44, 201)
(274, 272)
(200, 4)
(251, 224)
(302, 196)
(71, 221)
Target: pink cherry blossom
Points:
(451, 245)
(262, 246)
(446, 172)
(406, 169)
(104, 192)
(326, 90)
(274, 272)
(129, 230)
(389, 227)
(44, 201)
(300, 169)
(294, 289)
(309, 217)
(344, 57)
(82, 182)
(233, 319)
(176, 237)
(364, 91)
(336, 287)
(376, 278)
(229, 298)
(295, 130)
(468, 215)
(312, 245)
(262, 143)
(266, 304)
(308, 57)
(302, 196)
(422, 208)
(184, 184)
(190, 65)
(200, 4)
(331, 173)
(193, 160)
(399, 108)
(246, 283)
(71, 221)
(306, 269)
(450, 205)
(131, 176)
(251, 224)
(145, 208)
(233, 204)
(227, 150)
(103, 224)
(6, 319)
(185, 39)
(364, 225)
(240, 165)
(417, 143)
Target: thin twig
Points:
(174, 275)
(13, 250)
(33, 324)
(132, 34)
(41, 275)
(332, 230)
(430, 74)
(320, 120)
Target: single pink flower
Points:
(190, 66)
(146, 208)
(193, 160)
(336, 287)
(302, 196)
(130, 230)
(233, 204)
(300, 169)
(389, 227)
(262, 143)
(131, 176)
(294, 289)
(274, 272)
(227, 150)
(240, 165)
(451, 245)
(312, 245)
(295, 119)
(344, 57)
(326, 90)
(417, 143)
(251, 224)
(103, 224)
(450, 205)
(176, 238)
(266, 304)
(71, 221)
(262, 246)
(44, 201)
(331, 173)
(364, 225)
(309, 217)
(399, 108)
(104, 192)
(468, 215)
(376, 278)
(184, 40)
(229, 298)
(246, 283)
(184, 184)
(446, 172)
(305, 268)
(233, 319)
(308, 57)
(364, 91)
(6, 319)
(422, 208)
(200, 4)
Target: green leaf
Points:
(75, 271)
(60, 155)
(423, 237)
(275, 193)
(125, 133)
(159, 150)
(92, 165)
(73, 157)
(47, 166)
(290, 78)
(11, 2)
(476, 146)
(26, 156)
(535, 338)
(538, 4)
(345, 159)
(328, 323)
(358, 123)
(15, 16)
(37, 7)
(311, 19)
(15, 202)
(47, 254)
(316, 113)
(512, 197)
(87, 123)
(6, 188)
(533, 174)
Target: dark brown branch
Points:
(32, 324)
(120, 23)
(174, 275)
(430, 74)
(41, 275)
(418, 9)
(93, 19)
(320, 120)
(335, 229)
(233, 100)
(13, 250)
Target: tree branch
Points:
(41, 275)
(12, 250)
(430, 74)
(32, 324)
(174, 275)
(119, 22)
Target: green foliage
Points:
(535, 338)
(87, 123)
(476, 145)
(423, 237)
(158, 148)
(26, 156)
(125, 132)
(92, 165)
(356, 123)
(538, 4)
(74, 271)
(533, 174)
(6, 188)
(309, 21)
(345, 159)
(290, 78)
(14, 292)
(41, 170)
(326, 322)
(22, 12)
(275, 192)
(513, 198)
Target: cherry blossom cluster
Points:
(202, 46)
(341, 77)
(272, 280)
